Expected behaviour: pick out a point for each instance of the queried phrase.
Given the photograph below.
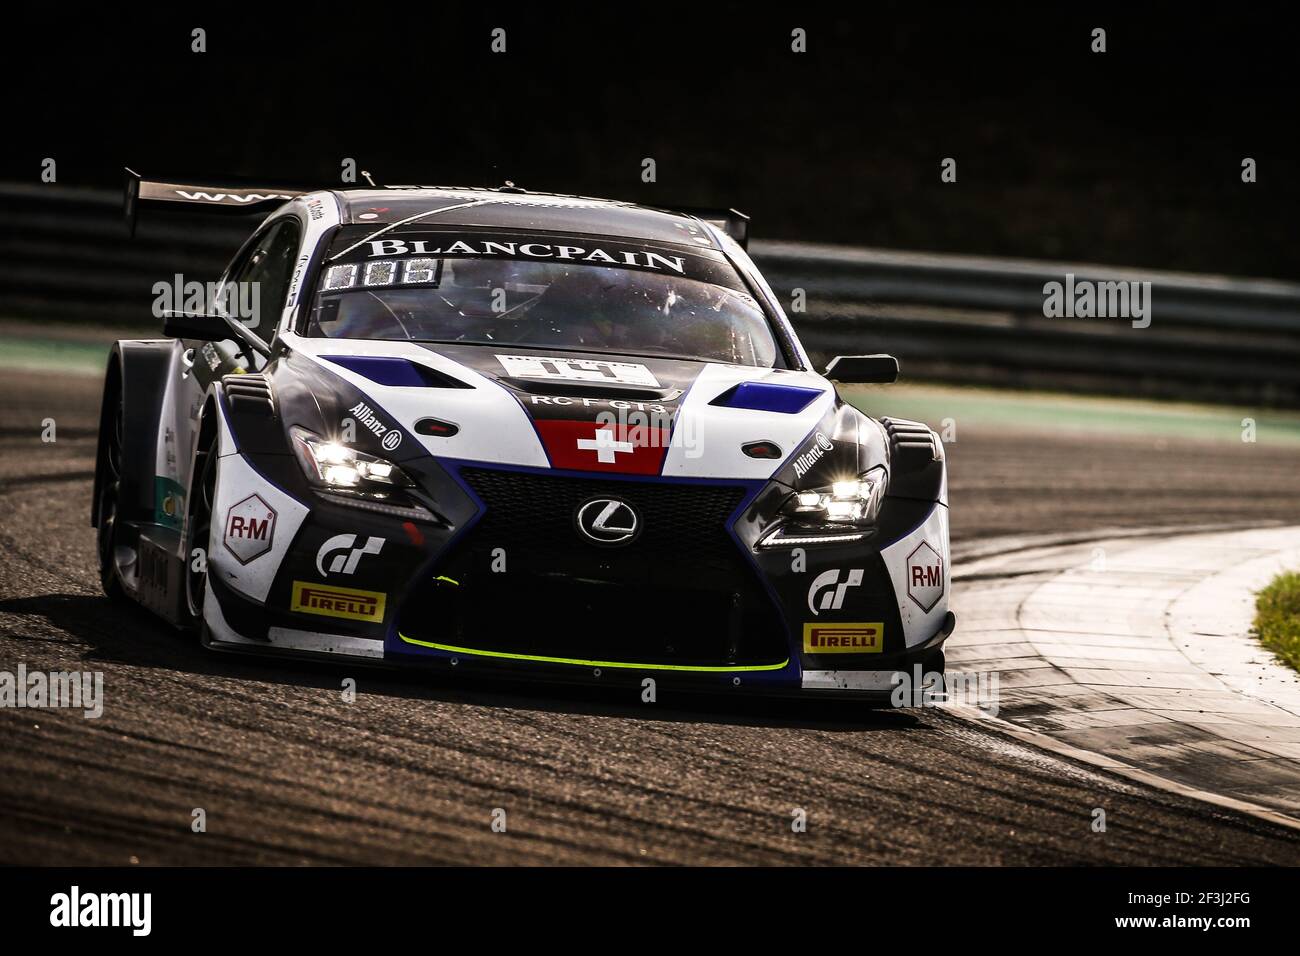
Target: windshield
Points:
(575, 306)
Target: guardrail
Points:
(64, 256)
(976, 320)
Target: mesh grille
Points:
(678, 521)
(681, 593)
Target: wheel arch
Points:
(135, 376)
(209, 426)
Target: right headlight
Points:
(346, 476)
(340, 468)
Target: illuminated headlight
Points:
(836, 514)
(339, 467)
(847, 490)
(853, 501)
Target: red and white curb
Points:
(1133, 652)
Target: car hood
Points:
(579, 411)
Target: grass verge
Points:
(1277, 617)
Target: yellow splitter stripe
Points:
(584, 663)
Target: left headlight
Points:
(856, 501)
(340, 468)
(833, 514)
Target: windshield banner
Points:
(704, 265)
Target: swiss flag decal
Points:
(593, 446)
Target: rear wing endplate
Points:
(191, 196)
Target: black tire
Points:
(198, 523)
(110, 488)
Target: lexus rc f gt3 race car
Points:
(497, 431)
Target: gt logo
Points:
(831, 600)
(345, 563)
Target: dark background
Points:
(1130, 157)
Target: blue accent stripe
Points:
(768, 397)
(455, 464)
(382, 370)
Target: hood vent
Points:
(768, 397)
(250, 393)
(395, 371)
(913, 443)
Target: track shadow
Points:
(122, 633)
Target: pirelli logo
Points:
(338, 602)
(843, 638)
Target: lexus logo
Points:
(608, 521)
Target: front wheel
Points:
(199, 504)
(110, 490)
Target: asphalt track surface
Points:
(412, 771)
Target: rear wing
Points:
(191, 196)
(731, 221)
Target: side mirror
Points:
(211, 328)
(863, 369)
(194, 325)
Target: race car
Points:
(493, 431)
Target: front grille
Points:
(535, 512)
(527, 582)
